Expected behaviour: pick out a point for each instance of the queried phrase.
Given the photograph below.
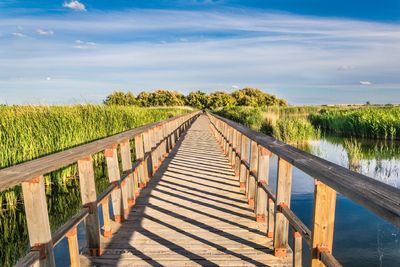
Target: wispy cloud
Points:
(19, 34)
(84, 45)
(76, 5)
(365, 83)
(45, 32)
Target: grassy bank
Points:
(374, 122)
(287, 124)
(28, 132)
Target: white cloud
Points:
(76, 5)
(48, 78)
(45, 32)
(79, 44)
(365, 83)
(235, 87)
(19, 34)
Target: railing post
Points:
(244, 155)
(89, 199)
(106, 217)
(254, 169)
(283, 191)
(114, 177)
(232, 158)
(297, 249)
(143, 167)
(262, 173)
(148, 164)
(73, 247)
(238, 156)
(37, 219)
(126, 162)
(323, 222)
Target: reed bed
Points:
(29, 132)
(374, 122)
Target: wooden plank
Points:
(244, 156)
(114, 177)
(128, 192)
(263, 179)
(73, 247)
(323, 222)
(297, 250)
(253, 168)
(88, 197)
(374, 195)
(283, 191)
(37, 219)
(189, 216)
(14, 175)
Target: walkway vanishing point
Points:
(196, 194)
(191, 213)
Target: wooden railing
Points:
(249, 153)
(152, 144)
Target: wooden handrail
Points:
(376, 196)
(157, 139)
(14, 175)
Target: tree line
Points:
(243, 97)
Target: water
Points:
(361, 238)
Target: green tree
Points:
(120, 98)
(221, 99)
(256, 98)
(167, 98)
(198, 99)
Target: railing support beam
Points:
(324, 221)
(37, 219)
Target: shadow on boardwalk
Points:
(191, 213)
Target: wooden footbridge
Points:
(196, 194)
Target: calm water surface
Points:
(361, 238)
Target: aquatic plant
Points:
(371, 122)
(28, 132)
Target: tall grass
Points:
(290, 129)
(376, 122)
(29, 132)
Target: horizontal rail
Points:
(329, 260)
(14, 175)
(158, 143)
(382, 199)
(329, 178)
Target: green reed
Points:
(29, 132)
(373, 122)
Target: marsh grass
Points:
(373, 122)
(29, 132)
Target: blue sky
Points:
(307, 51)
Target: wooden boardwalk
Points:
(191, 213)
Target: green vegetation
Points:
(290, 129)
(244, 97)
(371, 122)
(248, 116)
(28, 132)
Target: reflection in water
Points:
(361, 238)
